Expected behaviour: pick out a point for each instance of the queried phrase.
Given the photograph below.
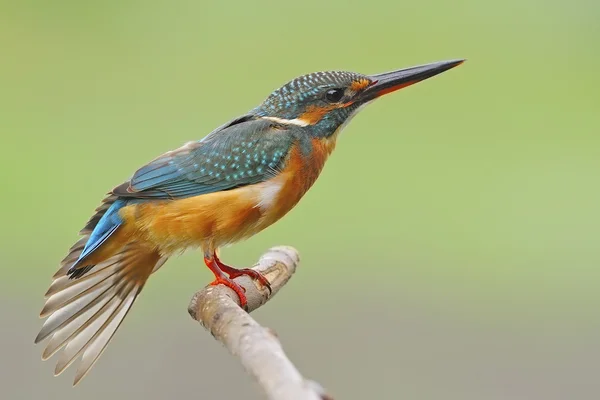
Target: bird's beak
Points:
(391, 81)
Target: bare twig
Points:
(260, 352)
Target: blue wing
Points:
(243, 152)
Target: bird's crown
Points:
(308, 99)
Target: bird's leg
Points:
(234, 273)
(220, 277)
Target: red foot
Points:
(220, 269)
(234, 273)
(233, 286)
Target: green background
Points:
(450, 248)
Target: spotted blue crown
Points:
(291, 100)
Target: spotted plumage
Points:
(290, 99)
(240, 179)
(247, 152)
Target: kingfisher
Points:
(238, 180)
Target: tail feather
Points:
(84, 313)
(83, 339)
(72, 256)
(98, 231)
(62, 283)
(70, 319)
(65, 292)
(99, 213)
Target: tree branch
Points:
(260, 352)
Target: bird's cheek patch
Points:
(314, 114)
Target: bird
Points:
(235, 182)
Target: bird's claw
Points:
(252, 274)
(239, 290)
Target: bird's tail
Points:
(84, 311)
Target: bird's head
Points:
(327, 100)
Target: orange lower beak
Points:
(391, 81)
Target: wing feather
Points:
(245, 153)
(84, 313)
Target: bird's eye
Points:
(334, 95)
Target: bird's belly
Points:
(211, 220)
(207, 221)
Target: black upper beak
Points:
(391, 81)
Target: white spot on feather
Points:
(268, 193)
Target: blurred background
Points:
(450, 249)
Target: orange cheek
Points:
(314, 114)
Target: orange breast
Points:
(216, 219)
(299, 175)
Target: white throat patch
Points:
(295, 121)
